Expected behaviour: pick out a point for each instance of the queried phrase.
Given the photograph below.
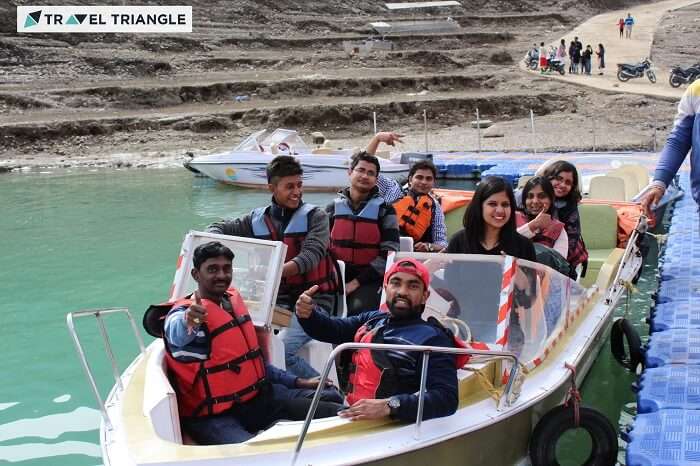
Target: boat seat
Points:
(611, 188)
(322, 151)
(631, 185)
(640, 172)
(159, 398)
(599, 231)
(523, 180)
(316, 352)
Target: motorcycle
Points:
(625, 71)
(532, 59)
(556, 65)
(680, 76)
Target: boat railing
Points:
(98, 313)
(484, 355)
(630, 249)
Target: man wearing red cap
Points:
(385, 383)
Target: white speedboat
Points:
(533, 333)
(325, 169)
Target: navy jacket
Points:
(441, 396)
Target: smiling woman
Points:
(489, 224)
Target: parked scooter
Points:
(532, 59)
(625, 71)
(680, 76)
(556, 65)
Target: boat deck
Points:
(667, 427)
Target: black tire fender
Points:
(622, 329)
(551, 427)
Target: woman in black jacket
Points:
(489, 224)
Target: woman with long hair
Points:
(489, 224)
(567, 195)
(537, 220)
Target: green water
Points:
(81, 239)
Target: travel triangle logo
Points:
(76, 19)
(32, 19)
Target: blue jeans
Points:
(280, 392)
(243, 422)
(294, 338)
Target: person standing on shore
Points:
(586, 59)
(601, 58)
(684, 137)
(629, 22)
(543, 58)
(621, 25)
(572, 49)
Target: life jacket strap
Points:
(235, 322)
(233, 397)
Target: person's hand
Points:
(311, 383)
(366, 409)
(540, 222)
(420, 247)
(305, 303)
(389, 138)
(351, 286)
(196, 314)
(651, 199)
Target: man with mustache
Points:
(226, 392)
(384, 383)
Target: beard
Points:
(411, 312)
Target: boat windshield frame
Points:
(269, 272)
(526, 313)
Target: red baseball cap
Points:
(410, 266)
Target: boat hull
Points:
(321, 173)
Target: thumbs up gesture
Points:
(196, 314)
(305, 303)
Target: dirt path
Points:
(603, 29)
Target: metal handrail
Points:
(640, 228)
(97, 313)
(426, 350)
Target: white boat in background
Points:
(325, 169)
(533, 333)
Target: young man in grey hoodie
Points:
(304, 229)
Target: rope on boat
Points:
(628, 299)
(486, 384)
(574, 396)
(490, 388)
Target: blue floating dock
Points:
(669, 437)
(673, 386)
(673, 346)
(666, 431)
(678, 314)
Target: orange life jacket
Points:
(415, 215)
(233, 372)
(548, 236)
(372, 375)
(355, 238)
(293, 236)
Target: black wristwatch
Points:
(394, 404)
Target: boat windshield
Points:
(291, 138)
(257, 269)
(251, 143)
(506, 303)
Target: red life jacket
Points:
(547, 236)
(415, 215)
(371, 373)
(355, 238)
(233, 372)
(293, 236)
